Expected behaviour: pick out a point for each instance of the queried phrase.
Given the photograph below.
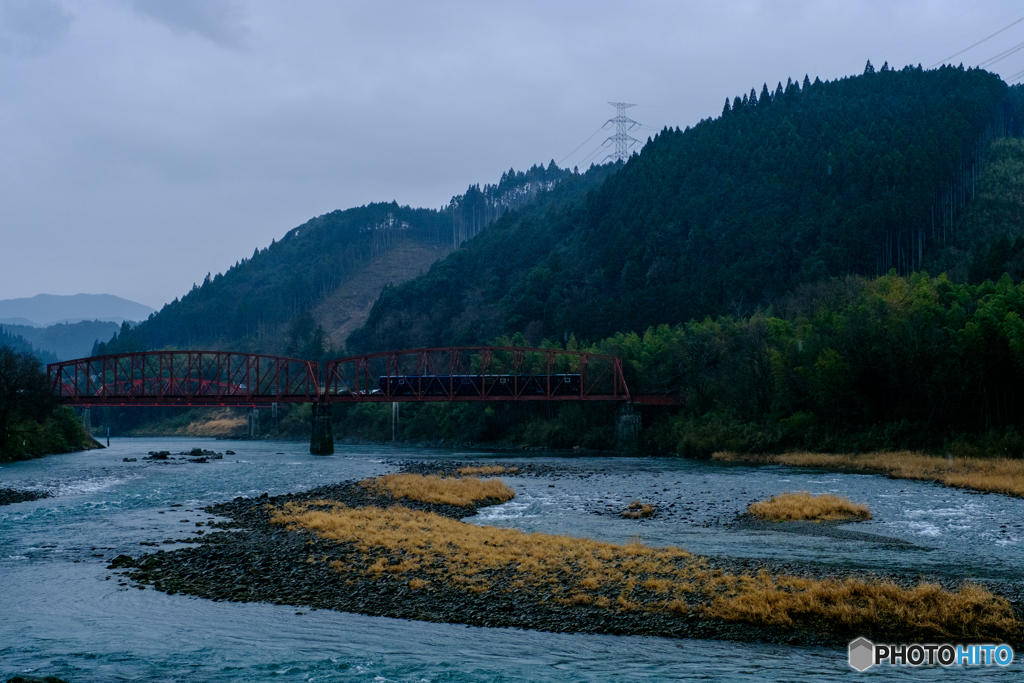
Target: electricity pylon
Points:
(622, 139)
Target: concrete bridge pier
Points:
(254, 423)
(87, 420)
(627, 428)
(322, 440)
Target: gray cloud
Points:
(32, 26)
(221, 21)
(137, 153)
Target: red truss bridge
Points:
(217, 378)
(184, 378)
(450, 374)
(467, 373)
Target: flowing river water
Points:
(60, 614)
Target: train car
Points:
(474, 385)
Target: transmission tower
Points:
(622, 139)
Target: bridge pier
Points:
(254, 423)
(87, 420)
(321, 441)
(627, 428)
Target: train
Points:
(473, 385)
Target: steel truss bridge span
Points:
(475, 373)
(184, 378)
(216, 378)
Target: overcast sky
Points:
(144, 143)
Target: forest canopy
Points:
(788, 186)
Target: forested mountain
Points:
(19, 344)
(457, 300)
(66, 340)
(849, 177)
(44, 310)
(285, 298)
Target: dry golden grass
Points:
(207, 423)
(997, 475)
(924, 611)
(629, 577)
(638, 509)
(486, 469)
(435, 489)
(803, 506)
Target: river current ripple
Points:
(61, 616)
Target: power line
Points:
(1015, 76)
(957, 54)
(593, 155)
(971, 33)
(930, 29)
(600, 128)
(1002, 55)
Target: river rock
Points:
(10, 496)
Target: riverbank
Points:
(351, 548)
(60, 432)
(991, 475)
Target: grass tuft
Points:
(803, 506)
(464, 492)
(924, 611)
(996, 475)
(638, 509)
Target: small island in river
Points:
(396, 546)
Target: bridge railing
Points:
(184, 378)
(475, 373)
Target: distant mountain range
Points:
(63, 340)
(43, 310)
(56, 327)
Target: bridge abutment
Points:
(321, 441)
(627, 428)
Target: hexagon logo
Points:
(862, 654)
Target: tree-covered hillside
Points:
(456, 301)
(66, 340)
(19, 344)
(265, 303)
(850, 177)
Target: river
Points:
(62, 616)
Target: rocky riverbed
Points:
(250, 559)
(11, 496)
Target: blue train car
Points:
(473, 385)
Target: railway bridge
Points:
(451, 374)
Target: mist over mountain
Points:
(304, 293)
(43, 310)
(787, 187)
(65, 340)
(20, 344)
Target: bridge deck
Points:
(452, 374)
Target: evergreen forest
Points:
(787, 187)
(826, 265)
